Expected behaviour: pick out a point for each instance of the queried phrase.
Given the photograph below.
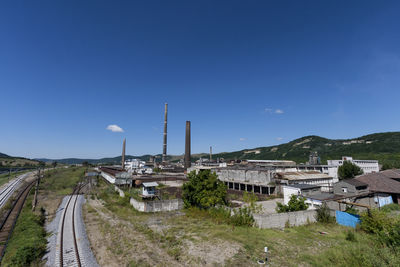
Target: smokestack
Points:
(123, 154)
(187, 146)
(210, 153)
(164, 155)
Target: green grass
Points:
(293, 246)
(28, 242)
(62, 181)
(5, 177)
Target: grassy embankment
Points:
(196, 238)
(5, 177)
(28, 241)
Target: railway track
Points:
(7, 227)
(69, 251)
(10, 188)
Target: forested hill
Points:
(384, 147)
(4, 155)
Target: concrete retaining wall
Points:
(156, 206)
(121, 193)
(279, 220)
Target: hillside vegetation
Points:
(384, 147)
(14, 162)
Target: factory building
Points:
(309, 178)
(250, 179)
(368, 166)
(115, 176)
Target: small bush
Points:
(351, 210)
(391, 236)
(295, 203)
(323, 215)
(374, 221)
(242, 217)
(350, 236)
(390, 207)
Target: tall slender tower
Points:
(123, 155)
(187, 146)
(164, 154)
(210, 153)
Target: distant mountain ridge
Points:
(4, 155)
(384, 147)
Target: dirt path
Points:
(116, 242)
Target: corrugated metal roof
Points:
(312, 175)
(304, 186)
(151, 184)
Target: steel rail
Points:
(75, 192)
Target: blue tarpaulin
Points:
(347, 219)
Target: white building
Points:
(368, 166)
(306, 191)
(134, 164)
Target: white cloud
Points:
(279, 138)
(242, 139)
(271, 111)
(115, 128)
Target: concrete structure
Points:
(314, 159)
(280, 220)
(257, 180)
(367, 166)
(149, 189)
(380, 183)
(164, 154)
(291, 166)
(349, 187)
(187, 146)
(265, 162)
(310, 178)
(123, 154)
(303, 190)
(116, 176)
(157, 206)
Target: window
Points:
(344, 189)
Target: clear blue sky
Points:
(246, 73)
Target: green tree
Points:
(348, 170)
(54, 163)
(204, 190)
(296, 203)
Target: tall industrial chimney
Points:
(123, 154)
(164, 155)
(187, 146)
(210, 153)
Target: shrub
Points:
(374, 221)
(350, 236)
(295, 203)
(242, 217)
(204, 190)
(351, 210)
(390, 207)
(391, 236)
(323, 214)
